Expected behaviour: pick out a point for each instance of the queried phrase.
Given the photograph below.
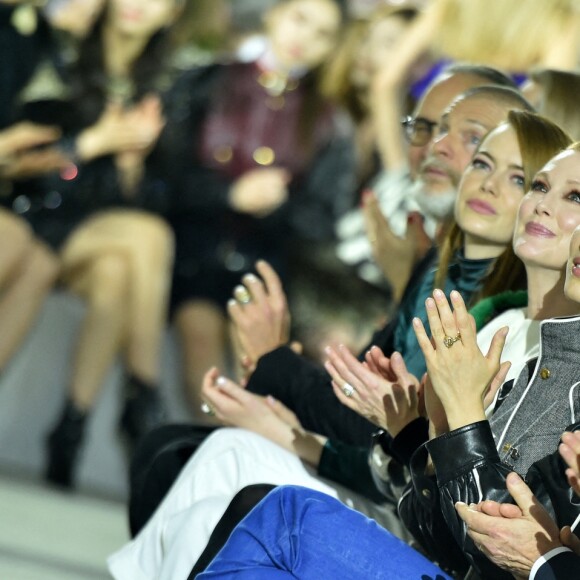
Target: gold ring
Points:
(242, 295)
(449, 341)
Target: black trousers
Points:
(158, 460)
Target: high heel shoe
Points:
(63, 445)
(143, 410)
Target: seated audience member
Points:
(247, 458)
(99, 214)
(465, 456)
(405, 216)
(523, 538)
(328, 303)
(28, 268)
(255, 159)
(304, 387)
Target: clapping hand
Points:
(382, 390)
(260, 316)
(460, 373)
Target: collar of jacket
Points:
(543, 402)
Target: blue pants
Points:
(303, 534)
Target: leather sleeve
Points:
(468, 469)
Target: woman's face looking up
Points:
(549, 213)
(491, 190)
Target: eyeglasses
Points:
(419, 131)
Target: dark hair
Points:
(488, 73)
(90, 84)
(539, 139)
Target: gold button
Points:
(506, 447)
(264, 156)
(426, 493)
(223, 154)
(545, 373)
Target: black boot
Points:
(143, 410)
(63, 445)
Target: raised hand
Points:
(460, 373)
(260, 315)
(388, 404)
(20, 155)
(395, 256)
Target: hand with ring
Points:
(460, 373)
(236, 407)
(389, 404)
(260, 315)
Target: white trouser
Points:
(230, 459)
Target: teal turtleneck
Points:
(465, 276)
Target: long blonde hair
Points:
(539, 139)
(513, 34)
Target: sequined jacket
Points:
(222, 122)
(472, 462)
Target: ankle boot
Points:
(143, 410)
(63, 445)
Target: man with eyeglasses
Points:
(414, 200)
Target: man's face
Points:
(430, 109)
(461, 129)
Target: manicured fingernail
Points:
(430, 303)
(220, 381)
(250, 277)
(513, 478)
(438, 293)
(231, 302)
(455, 295)
(416, 322)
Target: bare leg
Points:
(23, 296)
(202, 328)
(104, 284)
(151, 263)
(146, 244)
(15, 242)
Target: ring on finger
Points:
(242, 295)
(449, 341)
(348, 390)
(207, 409)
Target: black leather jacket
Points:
(427, 507)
